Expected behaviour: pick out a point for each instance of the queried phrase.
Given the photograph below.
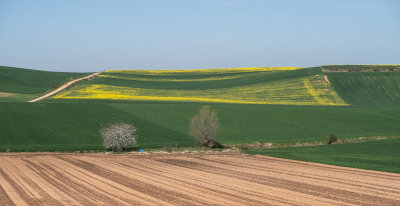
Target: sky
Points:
(97, 35)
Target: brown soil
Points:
(187, 179)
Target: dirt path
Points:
(187, 179)
(63, 87)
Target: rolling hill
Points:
(272, 104)
(17, 84)
(69, 127)
(368, 89)
(278, 86)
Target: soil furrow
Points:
(99, 186)
(345, 196)
(55, 187)
(195, 189)
(173, 197)
(187, 179)
(342, 179)
(244, 192)
(10, 176)
(30, 177)
(4, 198)
(254, 190)
(352, 171)
(365, 188)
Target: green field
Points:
(362, 68)
(69, 127)
(74, 126)
(380, 155)
(17, 84)
(280, 124)
(279, 105)
(368, 89)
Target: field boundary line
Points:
(271, 145)
(63, 87)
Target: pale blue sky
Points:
(83, 35)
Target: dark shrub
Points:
(332, 139)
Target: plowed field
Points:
(187, 179)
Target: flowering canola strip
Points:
(203, 71)
(149, 79)
(301, 91)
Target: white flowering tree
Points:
(119, 136)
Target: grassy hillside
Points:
(380, 155)
(281, 105)
(267, 123)
(75, 126)
(17, 84)
(368, 89)
(361, 68)
(50, 127)
(282, 86)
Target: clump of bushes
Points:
(119, 136)
(332, 139)
(204, 128)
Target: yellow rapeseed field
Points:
(301, 91)
(203, 71)
(177, 80)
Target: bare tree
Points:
(119, 136)
(204, 127)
